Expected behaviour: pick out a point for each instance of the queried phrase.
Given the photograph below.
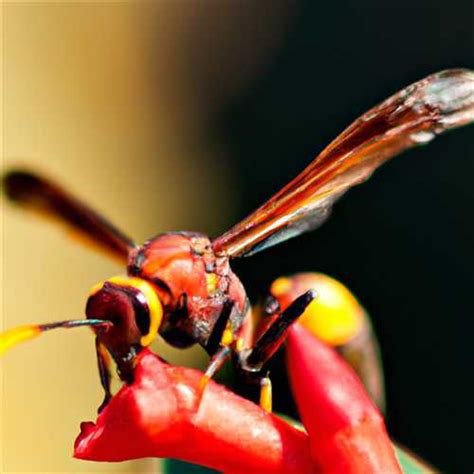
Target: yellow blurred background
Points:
(113, 100)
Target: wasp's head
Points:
(134, 309)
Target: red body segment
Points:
(200, 293)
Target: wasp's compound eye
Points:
(123, 309)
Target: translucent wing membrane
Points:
(37, 194)
(411, 117)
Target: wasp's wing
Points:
(38, 194)
(411, 117)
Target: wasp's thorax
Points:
(200, 294)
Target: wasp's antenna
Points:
(12, 337)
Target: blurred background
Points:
(187, 115)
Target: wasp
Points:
(181, 286)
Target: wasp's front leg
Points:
(274, 336)
(103, 363)
(252, 360)
(229, 340)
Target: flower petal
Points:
(160, 415)
(346, 430)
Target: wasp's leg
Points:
(251, 361)
(275, 335)
(226, 340)
(103, 363)
(271, 306)
(266, 393)
(215, 364)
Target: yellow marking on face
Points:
(266, 395)
(12, 337)
(147, 289)
(211, 282)
(96, 288)
(336, 316)
(281, 286)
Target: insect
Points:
(181, 285)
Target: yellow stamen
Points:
(266, 394)
(12, 337)
(154, 304)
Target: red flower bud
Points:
(346, 430)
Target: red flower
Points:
(346, 429)
(160, 415)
